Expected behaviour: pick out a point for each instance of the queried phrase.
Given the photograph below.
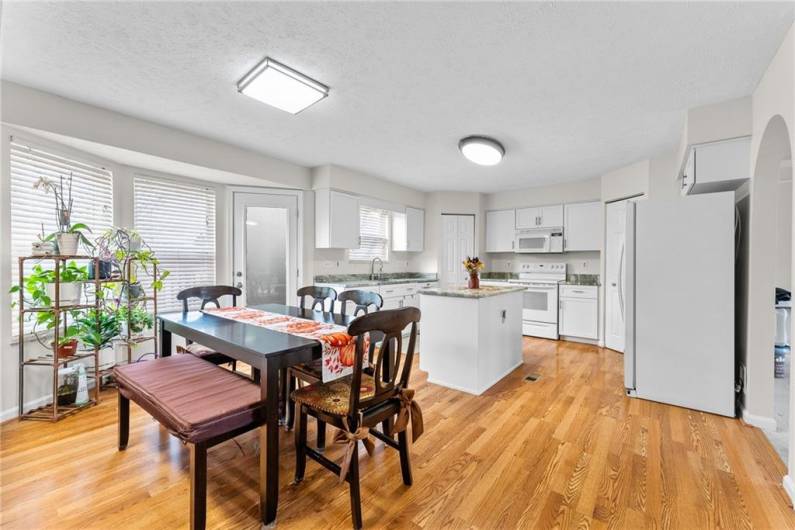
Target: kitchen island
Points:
(470, 338)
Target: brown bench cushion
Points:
(192, 398)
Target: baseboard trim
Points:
(12, 413)
(765, 423)
(789, 487)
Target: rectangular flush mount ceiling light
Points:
(282, 87)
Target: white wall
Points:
(784, 235)
(774, 96)
(627, 181)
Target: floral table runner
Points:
(339, 348)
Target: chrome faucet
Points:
(373, 275)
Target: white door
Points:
(500, 231)
(615, 273)
(265, 240)
(528, 218)
(458, 242)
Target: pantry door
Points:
(265, 240)
(458, 242)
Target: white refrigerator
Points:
(680, 302)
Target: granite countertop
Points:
(464, 292)
(363, 280)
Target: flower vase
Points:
(474, 281)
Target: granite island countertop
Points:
(464, 292)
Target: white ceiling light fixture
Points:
(482, 150)
(282, 87)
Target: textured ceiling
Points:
(572, 90)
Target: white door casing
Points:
(265, 247)
(458, 242)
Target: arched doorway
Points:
(768, 391)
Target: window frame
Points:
(14, 135)
(388, 239)
(219, 206)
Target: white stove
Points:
(540, 298)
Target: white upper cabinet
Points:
(582, 227)
(540, 217)
(500, 230)
(408, 230)
(336, 220)
(415, 229)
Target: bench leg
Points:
(124, 422)
(198, 486)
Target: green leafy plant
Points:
(97, 329)
(36, 295)
(128, 251)
(138, 318)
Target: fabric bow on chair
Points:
(351, 439)
(409, 410)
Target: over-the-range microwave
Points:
(539, 240)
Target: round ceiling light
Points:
(482, 150)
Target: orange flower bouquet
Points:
(473, 266)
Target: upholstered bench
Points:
(198, 402)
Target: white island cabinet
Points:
(471, 338)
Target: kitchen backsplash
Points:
(577, 263)
(335, 261)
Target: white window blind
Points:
(92, 195)
(178, 221)
(373, 235)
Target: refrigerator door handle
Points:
(630, 357)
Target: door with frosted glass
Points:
(265, 247)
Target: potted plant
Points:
(68, 237)
(473, 266)
(67, 342)
(96, 329)
(135, 321)
(44, 246)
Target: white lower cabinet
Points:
(579, 311)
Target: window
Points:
(373, 235)
(92, 195)
(178, 221)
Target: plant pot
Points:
(67, 395)
(71, 292)
(133, 291)
(67, 243)
(105, 270)
(67, 349)
(474, 281)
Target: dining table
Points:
(267, 351)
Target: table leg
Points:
(165, 340)
(269, 445)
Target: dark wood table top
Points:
(208, 329)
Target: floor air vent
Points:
(532, 378)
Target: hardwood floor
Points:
(567, 451)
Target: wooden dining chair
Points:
(308, 373)
(208, 294)
(357, 403)
(361, 300)
(319, 295)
